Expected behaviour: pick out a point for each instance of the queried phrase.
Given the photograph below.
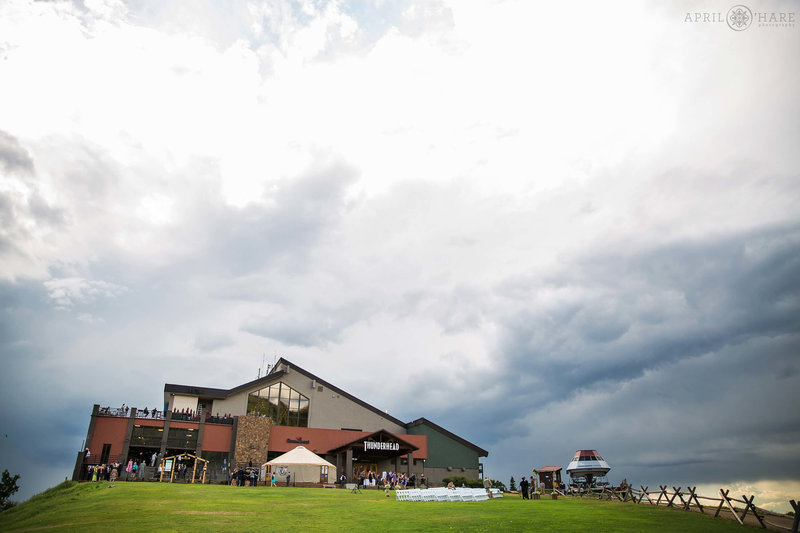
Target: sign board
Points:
(381, 446)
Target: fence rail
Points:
(689, 500)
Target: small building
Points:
(549, 476)
(255, 422)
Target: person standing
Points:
(487, 485)
(523, 488)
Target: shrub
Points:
(8, 486)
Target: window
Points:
(180, 438)
(281, 403)
(147, 436)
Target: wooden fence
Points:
(689, 500)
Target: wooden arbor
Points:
(171, 460)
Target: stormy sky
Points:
(544, 226)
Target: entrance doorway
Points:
(363, 469)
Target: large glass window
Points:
(281, 403)
(146, 436)
(180, 438)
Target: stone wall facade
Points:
(252, 441)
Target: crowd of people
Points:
(114, 471)
(390, 480)
(242, 477)
(124, 410)
(185, 414)
(192, 415)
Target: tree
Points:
(8, 486)
(513, 484)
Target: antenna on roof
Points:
(263, 360)
(269, 367)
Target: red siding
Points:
(217, 438)
(108, 429)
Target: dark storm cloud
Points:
(44, 401)
(686, 345)
(643, 310)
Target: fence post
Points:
(677, 493)
(727, 501)
(663, 493)
(645, 495)
(692, 495)
(748, 504)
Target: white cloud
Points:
(70, 292)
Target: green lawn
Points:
(182, 508)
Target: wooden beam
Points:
(693, 496)
(749, 505)
(677, 493)
(727, 501)
(722, 501)
(663, 493)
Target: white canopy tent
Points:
(303, 465)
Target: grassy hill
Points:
(162, 507)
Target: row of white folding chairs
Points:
(442, 494)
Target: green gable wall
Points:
(444, 451)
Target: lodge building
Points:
(260, 420)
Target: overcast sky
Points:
(545, 226)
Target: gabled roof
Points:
(378, 436)
(425, 422)
(300, 455)
(321, 441)
(549, 469)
